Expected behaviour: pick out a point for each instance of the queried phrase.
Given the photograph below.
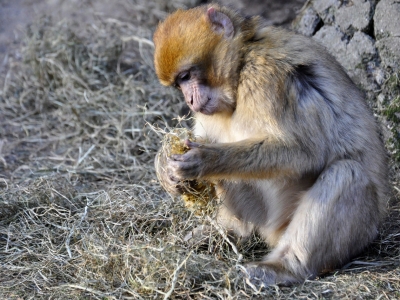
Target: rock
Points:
(387, 19)
(356, 15)
(275, 12)
(353, 55)
(333, 40)
(360, 60)
(348, 16)
(380, 98)
(308, 23)
(389, 52)
(360, 50)
(326, 9)
(379, 75)
(387, 32)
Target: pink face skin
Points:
(200, 97)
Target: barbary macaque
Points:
(283, 133)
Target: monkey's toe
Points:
(260, 275)
(264, 274)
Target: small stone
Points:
(386, 19)
(333, 40)
(360, 50)
(326, 9)
(379, 76)
(307, 23)
(381, 98)
(389, 51)
(353, 17)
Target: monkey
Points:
(283, 132)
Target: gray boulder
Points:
(387, 32)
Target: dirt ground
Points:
(15, 15)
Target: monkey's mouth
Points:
(206, 108)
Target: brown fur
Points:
(285, 133)
(181, 48)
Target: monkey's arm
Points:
(257, 158)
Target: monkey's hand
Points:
(192, 164)
(169, 182)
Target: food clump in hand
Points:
(195, 193)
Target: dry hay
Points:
(81, 212)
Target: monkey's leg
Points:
(241, 206)
(233, 196)
(336, 218)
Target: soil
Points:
(16, 15)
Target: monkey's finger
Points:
(191, 144)
(175, 157)
(174, 173)
(184, 169)
(176, 165)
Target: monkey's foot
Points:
(265, 273)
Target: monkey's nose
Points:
(191, 100)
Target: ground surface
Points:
(82, 214)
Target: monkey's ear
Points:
(221, 23)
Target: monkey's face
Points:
(199, 96)
(191, 53)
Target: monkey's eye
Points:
(184, 76)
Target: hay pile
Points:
(82, 214)
(81, 211)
